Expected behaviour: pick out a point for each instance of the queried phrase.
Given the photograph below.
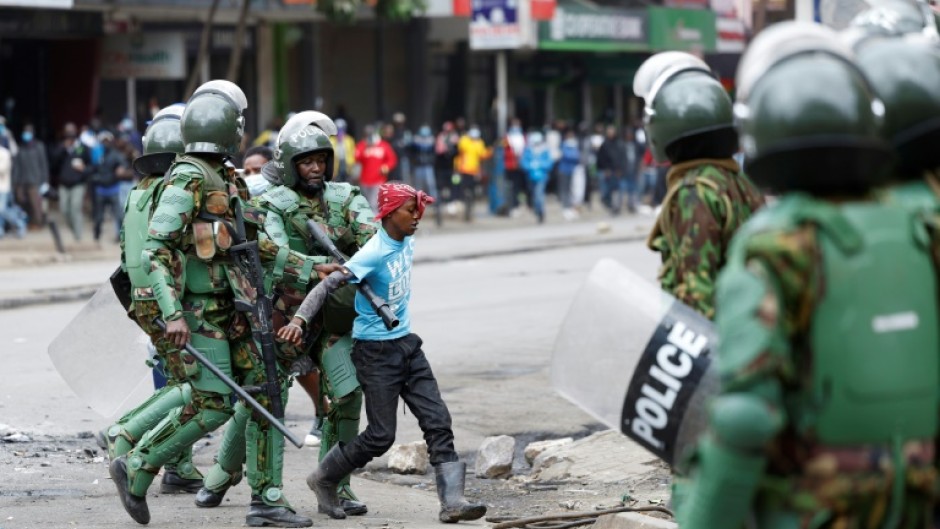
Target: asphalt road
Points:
(488, 325)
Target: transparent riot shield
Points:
(637, 360)
(101, 354)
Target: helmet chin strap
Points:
(306, 189)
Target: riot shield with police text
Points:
(101, 354)
(637, 360)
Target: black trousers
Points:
(387, 370)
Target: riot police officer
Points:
(817, 424)
(195, 286)
(304, 166)
(162, 141)
(688, 120)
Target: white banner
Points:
(144, 56)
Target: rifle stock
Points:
(378, 302)
(240, 391)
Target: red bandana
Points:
(393, 195)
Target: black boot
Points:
(450, 481)
(209, 498)
(324, 480)
(173, 483)
(134, 505)
(261, 514)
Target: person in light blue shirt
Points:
(389, 361)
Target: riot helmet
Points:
(303, 134)
(688, 114)
(214, 121)
(808, 118)
(162, 142)
(906, 76)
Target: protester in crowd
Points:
(10, 220)
(445, 150)
(30, 172)
(71, 164)
(344, 153)
(632, 156)
(514, 145)
(400, 139)
(422, 149)
(610, 166)
(471, 151)
(569, 161)
(6, 138)
(376, 159)
(107, 179)
(537, 162)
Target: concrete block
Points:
(494, 460)
(411, 458)
(533, 450)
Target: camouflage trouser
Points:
(225, 336)
(127, 431)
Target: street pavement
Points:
(488, 300)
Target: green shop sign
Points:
(682, 29)
(582, 26)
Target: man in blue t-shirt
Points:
(389, 362)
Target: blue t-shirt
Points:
(386, 265)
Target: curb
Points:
(84, 292)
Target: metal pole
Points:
(132, 100)
(502, 93)
(255, 405)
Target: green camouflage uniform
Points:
(288, 255)
(195, 187)
(769, 298)
(706, 203)
(126, 432)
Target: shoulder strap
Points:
(281, 199)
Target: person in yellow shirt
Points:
(344, 153)
(471, 151)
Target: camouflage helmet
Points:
(162, 141)
(808, 118)
(688, 113)
(304, 133)
(213, 122)
(906, 76)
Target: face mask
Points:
(375, 138)
(27, 137)
(257, 184)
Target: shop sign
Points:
(579, 27)
(682, 29)
(495, 25)
(144, 56)
(732, 35)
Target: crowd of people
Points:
(456, 164)
(87, 172)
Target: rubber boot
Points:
(261, 514)
(450, 482)
(324, 480)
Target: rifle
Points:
(247, 258)
(240, 391)
(378, 303)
